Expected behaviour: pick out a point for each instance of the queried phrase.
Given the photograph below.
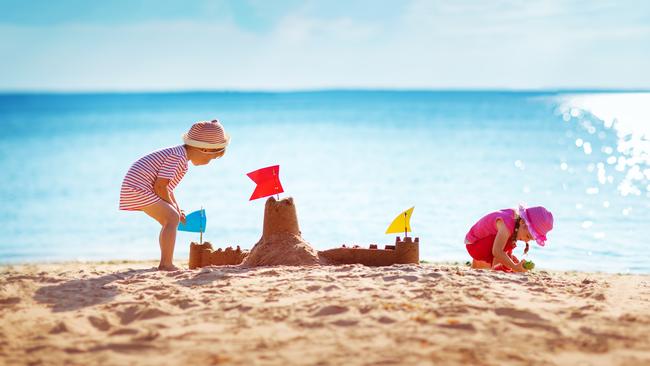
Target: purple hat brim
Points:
(539, 239)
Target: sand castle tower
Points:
(407, 250)
(281, 242)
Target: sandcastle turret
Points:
(280, 218)
(407, 250)
(281, 242)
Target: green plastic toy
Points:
(529, 265)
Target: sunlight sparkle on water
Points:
(628, 117)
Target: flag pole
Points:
(277, 194)
(201, 227)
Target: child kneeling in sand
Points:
(491, 240)
(149, 184)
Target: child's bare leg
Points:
(168, 218)
(476, 264)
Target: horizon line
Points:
(320, 90)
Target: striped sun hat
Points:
(207, 135)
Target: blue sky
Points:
(74, 45)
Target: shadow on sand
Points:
(210, 274)
(77, 294)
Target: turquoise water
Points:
(352, 160)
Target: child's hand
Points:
(182, 216)
(519, 267)
(529, 265)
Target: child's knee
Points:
(172, 219)
(477, 264)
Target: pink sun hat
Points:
(207, 135)
(539, 221)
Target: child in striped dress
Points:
(149, 184)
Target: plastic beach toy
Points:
(529, 265)
(267, 180)
(402, 223)
(195, 223)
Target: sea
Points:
(351, 159)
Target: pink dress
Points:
(137, 188)
(480, 238)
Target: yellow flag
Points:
(402, 222)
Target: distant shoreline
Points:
(542, 91)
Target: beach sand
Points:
(127, 313)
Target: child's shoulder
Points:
(508, 216)
(178, 150)
(504, 213)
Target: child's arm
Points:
(160, 187)
(171, 194)
(178, 208)
(497, 248)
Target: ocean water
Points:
(352, 160)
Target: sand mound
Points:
(281, 243)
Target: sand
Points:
(128, 313)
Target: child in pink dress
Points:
(491, 240)
(149, 184)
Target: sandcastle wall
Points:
(202, 255)
(405, 252)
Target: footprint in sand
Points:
(400, 277)
(407, 268)
(155, 288)
(61, 327)
(344, 268)
(136, 312)
(270, 273)
(331, 287)
(147, 336)
(313, 288)
(184, 303)
(240, 307)
(101, 323)
(345, 323)
(9, 301)
(386, 320)
(123, 347)
(124, 331)
(331, 310)
(162, 295)
(519, 314)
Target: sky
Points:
(164, 45)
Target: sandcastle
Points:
(202, 255)
(282, 244)
(403, 252)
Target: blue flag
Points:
(194, 222)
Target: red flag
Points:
(268, 182)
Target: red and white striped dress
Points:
(137, 188)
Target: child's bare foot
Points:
(168, 267)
